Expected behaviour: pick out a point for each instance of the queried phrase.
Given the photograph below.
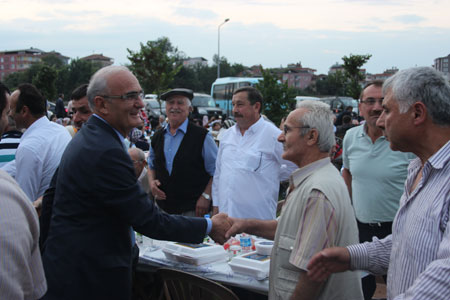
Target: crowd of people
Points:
(73, 195)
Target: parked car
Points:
(204, 105)
(154, 108)
(338, 103)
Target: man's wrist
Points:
(206, 196)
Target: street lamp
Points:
(218, 47)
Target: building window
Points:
(1, 59)
(13, 66)
(12, 58)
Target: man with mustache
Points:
(374, 174)
(182, 160)
(249, 166)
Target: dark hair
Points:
(79, 92)
(253, 95)
(346, 119)
(3, 91)
(31, 97)
(377, 83)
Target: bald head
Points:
(138, 158)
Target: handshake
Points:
(224, 227)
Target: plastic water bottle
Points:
(246, 242)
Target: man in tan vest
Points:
(317, 213)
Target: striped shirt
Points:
(8, 146)
(418, 251)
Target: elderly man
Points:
(415, 118)
(374, 174)
(89, 247)
(317, 213)
(182, 160)
(249, 166)
(140, 167)
(42, 144)
(21, 272)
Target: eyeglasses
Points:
(372, 101)
(137, 161)
(127, 97)
(286, 128)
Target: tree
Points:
(45, 82)
(155, 65)
(278, 97)
(352, 65)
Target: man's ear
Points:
(420, 113)
(258, 106)
(312, 137)
(101, 105)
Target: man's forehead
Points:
(241, 96)
(372, 90)
(177, 98)
(80, 102)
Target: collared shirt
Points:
(378, 175)
(418, 251)
(172, 143)
(8, 146)
(318, 227)
(249, 169)
(21, 272)
(38, 156)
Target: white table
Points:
(151, 256)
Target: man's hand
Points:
(220, 225)
(38, 205)
(328, 261)
(237, 226)
(215, 210)
(156, 192)
(202, 206)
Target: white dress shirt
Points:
(249, 169)
(38, 156)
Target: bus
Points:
(222, 90)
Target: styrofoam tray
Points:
(251, 264)
(195, 254)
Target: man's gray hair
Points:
(139, 152)
(320, 117)
(421, 84)
(98, 85)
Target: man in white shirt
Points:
(42, 144)
(249, 166)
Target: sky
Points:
(317, 33)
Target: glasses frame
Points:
(287, 128)
(372, 101)
(130, 96)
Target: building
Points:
(441, 64)
(104, 61)
(335, 68)
(381, 76)
(12, 61)
(297, 77)
(195, 61)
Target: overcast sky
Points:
(317, 33)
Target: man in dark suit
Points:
(98, 201)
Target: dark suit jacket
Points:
(97, 199)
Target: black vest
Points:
(189, 178)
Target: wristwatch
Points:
(206, 196)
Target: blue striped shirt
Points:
(418, 251)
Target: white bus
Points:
(222, 90)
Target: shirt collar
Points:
(364, 132)
(302, 173)
(183, 126)
(122, 139)
(254, 127)
(36, 124)
(439, 159)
